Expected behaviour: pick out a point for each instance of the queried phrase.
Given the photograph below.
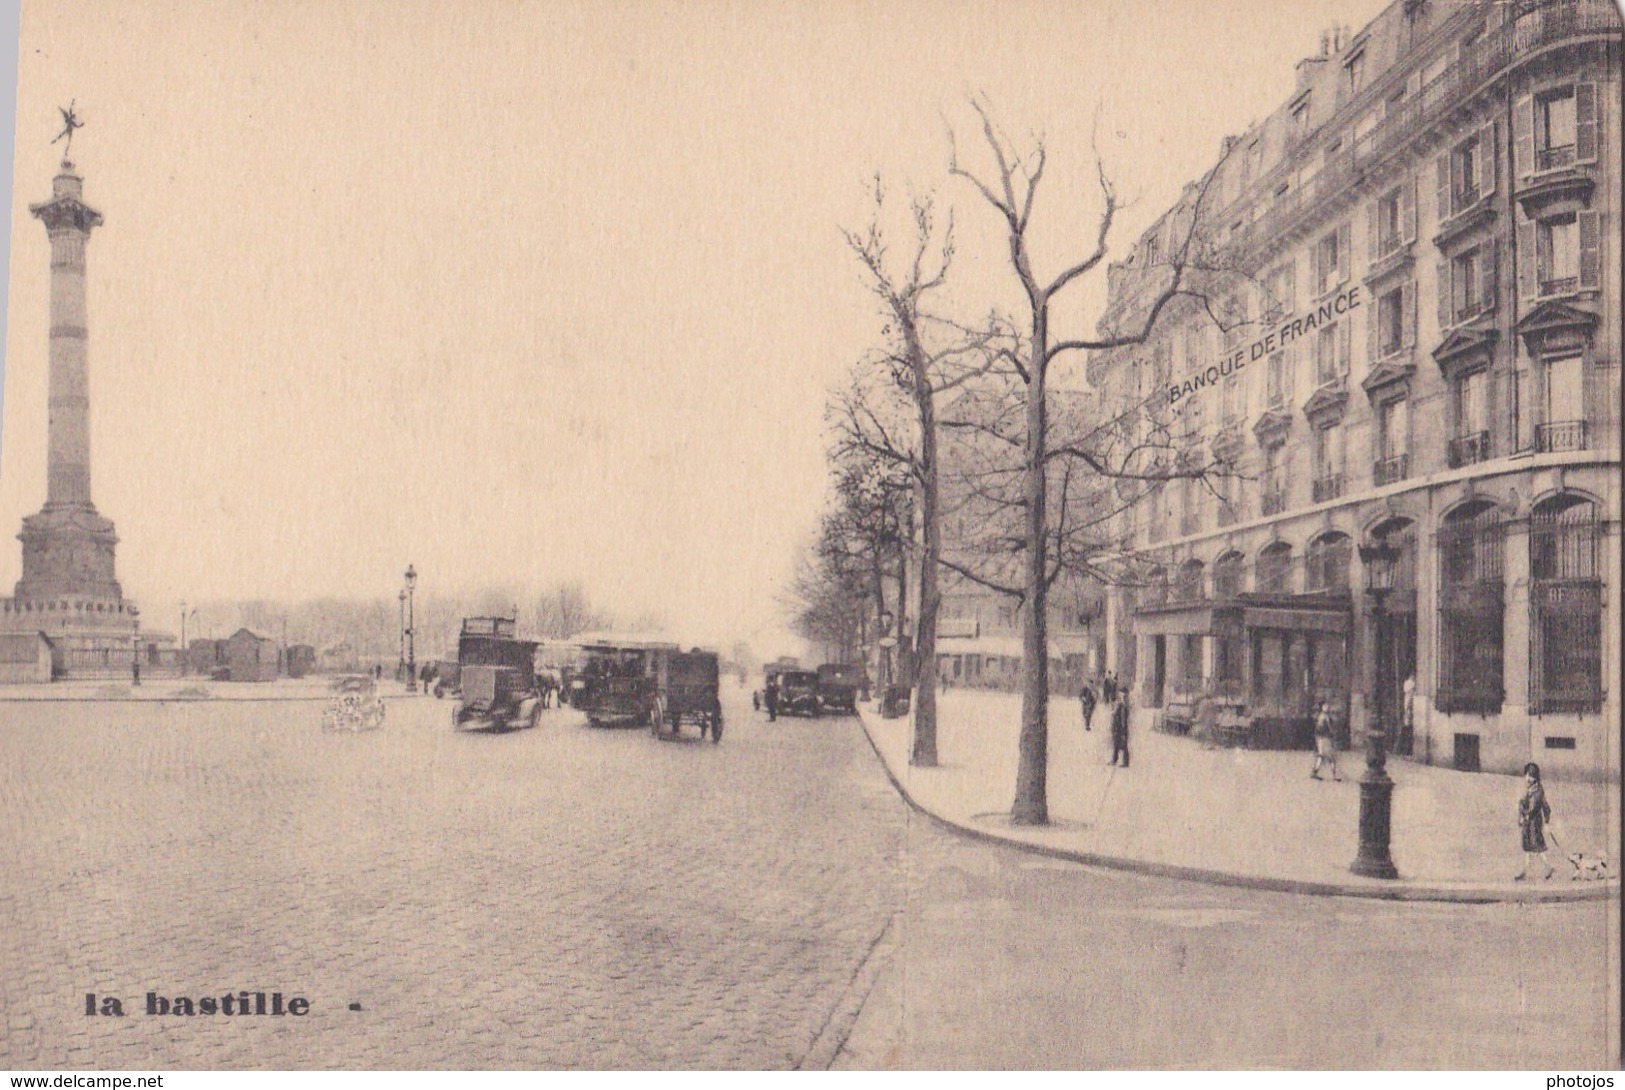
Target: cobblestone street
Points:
(561, 897)
(566, 897)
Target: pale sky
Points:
(524, 292)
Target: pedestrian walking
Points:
(1108, 689)
(1086, 698)
(1325, 743)
(1534, 812)
(1120, 727)
(772, 700)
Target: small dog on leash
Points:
(1589, 867)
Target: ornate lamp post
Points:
(135, 648)
(1376, 788)
(400, 663)
(411, 657)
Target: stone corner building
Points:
(1421, 345)
(68, 592)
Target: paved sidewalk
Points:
(1241, 817)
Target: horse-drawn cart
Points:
(687, 687)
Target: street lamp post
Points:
(411, 656)
(400, 663)
(184, 656)
(886, 643)
(1376, 788)
(135, 649)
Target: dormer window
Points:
(1300, 119)
(1356, 72)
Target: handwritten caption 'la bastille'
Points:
(1287, 332)
(234, 1004)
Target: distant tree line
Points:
(371, 627)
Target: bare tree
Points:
(1010, 189)
(926, 357)
(840, 589)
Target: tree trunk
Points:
(882, 660)
(1032, 773)
(925, 644)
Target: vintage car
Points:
(838, 685)
(497, 677)
(617, 684)
(355, 705)
(686, 687)
(798, 693)
(447, 677)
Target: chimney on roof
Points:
(1331, 41)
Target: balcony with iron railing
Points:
(1389, 470)
(1554, 158)
(1466, 450)
(1190, 522)
(1228, 515)
(1564, 435)
(1328, 487)
(1561, 285)
(1410, 118)
(1273, 502)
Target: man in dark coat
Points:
(1120, 727)
(772, 699)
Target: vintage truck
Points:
(496, 670)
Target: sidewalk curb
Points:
(1399, 891)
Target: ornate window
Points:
(1471, 609)
(1471, 409)
(1275, 569)
(1327, 449)
(1332, 260)
(1327, 569)
(1188, 585)
(1563, 426)
(1566, 604)
(1393, 442)
(1228, 576)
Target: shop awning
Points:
(1193, 621)
(1296, 620)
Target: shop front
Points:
(1248, 670)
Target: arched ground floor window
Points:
(1471, 610)
(1565, 599)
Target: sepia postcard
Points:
(876, 535)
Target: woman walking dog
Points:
(1534, 812)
